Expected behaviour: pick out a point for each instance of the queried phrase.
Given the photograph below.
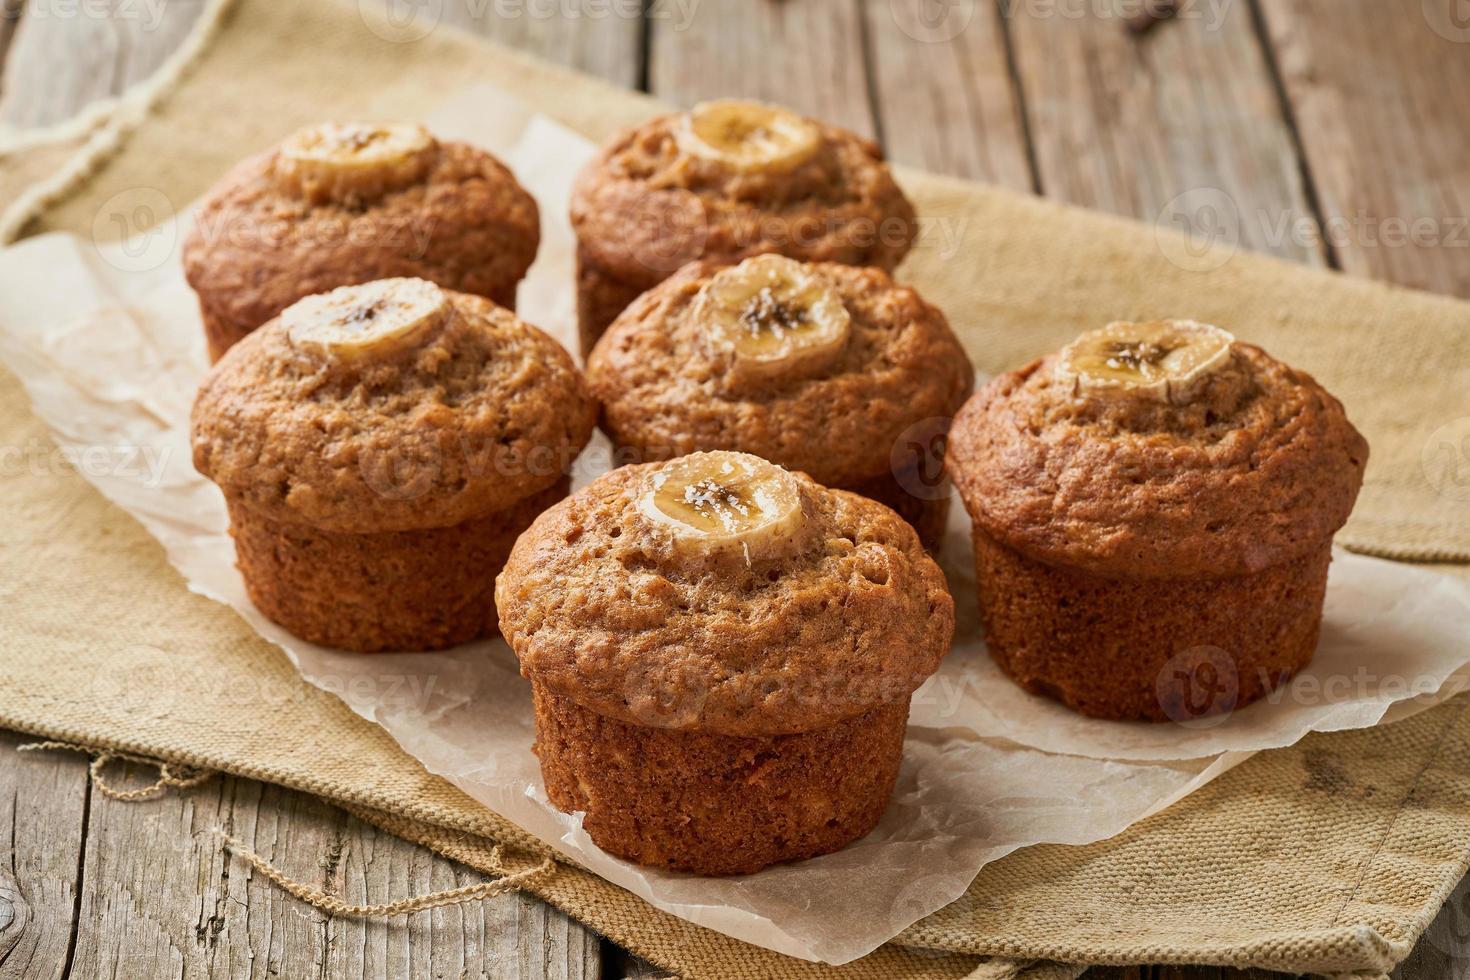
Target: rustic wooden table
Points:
(1330, 132)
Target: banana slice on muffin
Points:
(746, 135)
(354, 161)
(775, 317)
(345, 203)
(1160, 359)
(376, 318)
(716, 715)
(722, 182)
(721, 501)
(1153, 512)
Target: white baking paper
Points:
(106, 339)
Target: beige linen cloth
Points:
(1330, 856)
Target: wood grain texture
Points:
(43, 816)
(1444, 952)
(942, 86)
(599, 37)
(1379, 92)
(807, 54)
(1128, 124)
(159, 897)
(66, 54)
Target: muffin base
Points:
(717, 804)
(394, 590)
(601, 296)
(222, 333)
(1149, 649)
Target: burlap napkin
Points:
(1331, 856)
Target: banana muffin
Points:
(724, 181)
(1153, 516)
(721, 656)
(380, 447)
(339, 204)
(820, 367)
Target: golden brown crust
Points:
(666, 391)
(1260, 468)
(1148, 649)
(718, 804)
(485, 412)
(256, 248)
(394, 590)
(644, 206)
(601, 607)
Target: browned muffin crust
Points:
(718, 804)
(486, 412)
(256, 248)
(665, 392)
(393, 590)
(644, 206)
(601, 607)
(1149, 649)
(1258, 469)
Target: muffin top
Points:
(819, 367)
(392, 405)
(1157, 450)
(339, 204)
(720, 593)
(730, 179)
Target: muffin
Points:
(724, 181)
(342, 204)
(1153, 516)
(380, 447)
(721, 656)
(825, 368)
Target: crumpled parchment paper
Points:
(106, 339)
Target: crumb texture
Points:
(644, 207)
(256, 248)
(717, 804)
(603, 608)
(484, 413)
(1146, 649)
(665, 388)
(1260, 467)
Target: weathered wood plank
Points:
(599, 37)
(66, 55)
(1444, 951)
(1128, 123)
(1378, 92)
(43, 807)
(808, 55)
(160, 898)
(10, 11)
(943, 90)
